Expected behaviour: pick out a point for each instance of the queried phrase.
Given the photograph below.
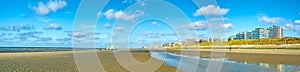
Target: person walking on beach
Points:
(230, 48)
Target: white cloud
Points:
(289, 26)
(54, 26)
(219, 19)
(269, 20)
(30, 34)
(17, 28)
(211, 10)
(128, 1)
(150, 34)
(228, 25)
(118, 28)
(41, 9)
(114, 14)
(54, 6)
(99, 14)
(198, 25)
(106, 25)
(143, 4)
(44, 20)
(156, 34)
(202, 25)
(78, 34)
(154, 23)
(297, 21)
(114, 35)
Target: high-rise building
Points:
(231, 38)
(275, 32)
(248, 34)
(259, 33)
(242, 35)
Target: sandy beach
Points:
(290, 57)
(63, 61)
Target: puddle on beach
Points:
(197, 64)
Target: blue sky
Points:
(49, 23)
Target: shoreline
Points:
(290, 57)
(245, 51)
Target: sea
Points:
(41, 49)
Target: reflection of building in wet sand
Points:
(279, 67)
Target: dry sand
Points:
(290, 57)
(63, 61)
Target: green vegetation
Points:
(267, 41)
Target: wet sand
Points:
(63, 61)
(290, 57)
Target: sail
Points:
(107, 47)
(111, 47)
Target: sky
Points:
(50, 23)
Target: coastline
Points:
(291, 57)
(64, 61)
